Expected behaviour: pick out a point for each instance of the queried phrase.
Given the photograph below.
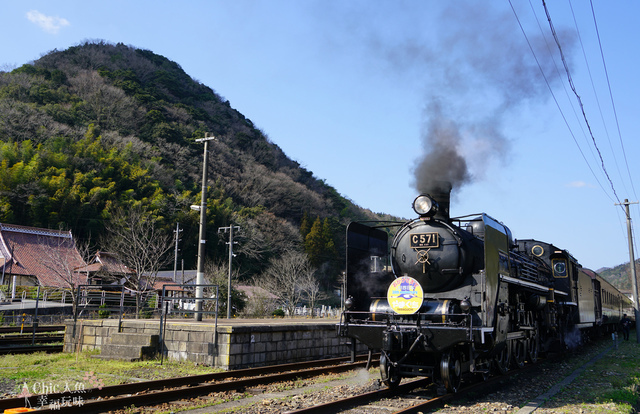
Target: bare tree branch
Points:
(135, 238)
(62, 257)
(311, 290)
(284, 278)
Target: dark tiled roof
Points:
(159, 282)
(48, 255)
(107, 263)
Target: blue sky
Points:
(351, 89)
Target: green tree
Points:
(305, 226)
(314, 244)
(319, 244)
(330, 252)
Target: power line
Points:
(579, 100)
(595, 93)
(555, 65)
(615, 113)
(573, 88)
(569, 100)
(582, 106)
(564, 118)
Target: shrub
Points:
(103, 313)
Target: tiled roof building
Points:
(39, 256)
(106, 268)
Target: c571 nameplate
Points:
(425, 241)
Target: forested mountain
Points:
(98, 127)
(619, 276)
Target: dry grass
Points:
(60, 370)
(608, 386)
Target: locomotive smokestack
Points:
(441, 192)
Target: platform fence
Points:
(184, 300)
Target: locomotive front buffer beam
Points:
(441, 352)
(432, 338)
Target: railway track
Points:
(409, 397)
(29, 329)
(30, 339)
(428, 393)
(28, 349)
(24, 340)
(365, 398)
(149, 393)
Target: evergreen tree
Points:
(305, 227)
(319, 244)
(330, 251)
(314, 243)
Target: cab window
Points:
(559, 268)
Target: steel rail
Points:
(50, 349)
(366, 398)
(463, 392)
(158, 397)
(29, 329)
(291, 371)
(350, 402)
(28, 339)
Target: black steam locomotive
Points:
(460, 296)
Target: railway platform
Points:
(30, 305)
(229, 344)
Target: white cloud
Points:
(49, 24)
(579, 184)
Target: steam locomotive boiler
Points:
(459, 296)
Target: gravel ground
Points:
(508, 396)
(7, 386)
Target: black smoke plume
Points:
(480, 73)
(443, 161)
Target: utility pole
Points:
(632, 264)
(230, 243)
(203, 227)
(178, 230)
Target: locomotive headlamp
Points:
(348, 303)
(425, 206)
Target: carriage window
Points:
(559, 267)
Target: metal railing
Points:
(183, 302)
(95, 300)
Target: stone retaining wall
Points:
(238, 345)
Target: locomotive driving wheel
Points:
(388, 373)
(534, 345)
(519, 352)
(503, 358)
(451, 371)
